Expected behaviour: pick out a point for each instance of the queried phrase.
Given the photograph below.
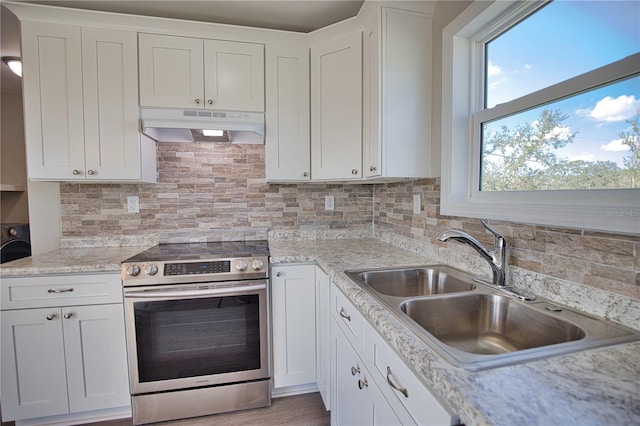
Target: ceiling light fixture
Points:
(14, 63)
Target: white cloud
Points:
(560, 132)
(528, 67)
(615, 146)
(493, 70)
(585, 156)
(610, 110)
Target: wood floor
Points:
(305, 409)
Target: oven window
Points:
(197, 337)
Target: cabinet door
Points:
(171, 71)
(336, 108)
(110, 77)
(371, 143)
(323, 335)
(357, 399)
(234, 75)
(34, 383)
(96, 357)
(293, 309)
(287, 147)
(52, 84)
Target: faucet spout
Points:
(498, 258)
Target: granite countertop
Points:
(595, 387)
(71, 261)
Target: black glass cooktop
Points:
(202, 251)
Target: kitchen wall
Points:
(606, 261)
(209, 187)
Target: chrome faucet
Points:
(498, 258)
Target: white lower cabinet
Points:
(63, 357)
(323, 335)
(293, 310)
(370, 383)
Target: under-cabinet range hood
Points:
(185, 125)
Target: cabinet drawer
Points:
(399, 384)
(60, 290)
(348, 318)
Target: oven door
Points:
(194, 335)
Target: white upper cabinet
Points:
(396, 98)
(183, 72)
(81, 107)
(287, 146)
(336, 108)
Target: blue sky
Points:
(562, 40)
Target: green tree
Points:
(632, 160)
(526, 154)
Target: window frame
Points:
(611, 210)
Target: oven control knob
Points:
(133, 270)
(151, 269)
(241, 266)
(257, 264)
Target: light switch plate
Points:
(328, 202)
(416, 203)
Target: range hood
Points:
(175, 125)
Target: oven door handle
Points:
(193, 292)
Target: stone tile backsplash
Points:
(214, 189)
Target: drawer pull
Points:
(68, 315)
(50, 317)
(60, 290)
(362, 384)
(355, 370)
(400, 389)
(343, 314)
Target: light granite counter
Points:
(71, 261)
(595, 387)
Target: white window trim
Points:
(603, 210)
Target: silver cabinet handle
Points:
(60, 290)
(400, 389)
(76, 172)
(354, 171)
(210, 101)
(68, 315)
(355, 370)
(91, 172)
(305, 174)
(278, 274)
(362, 384)
(50, 317)
(196, 101)
(373, 168)
(343, 314)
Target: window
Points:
(541, 111)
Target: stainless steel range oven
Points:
(197, 329)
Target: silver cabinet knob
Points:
(196, 101)
(50, 317)
(76, 172)
(68, 315)
(91, 172)
(133, 270)
(362, 383)
(373, 168)
(354, 171)
(305, 174)
(355, 370)
(210, 101)
(344, 315)
(278, 274)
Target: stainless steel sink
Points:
(476, 326)
(411, 282)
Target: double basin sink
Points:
(476, 326)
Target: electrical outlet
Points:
(328, 202)
(416, 203)
(133, 204)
